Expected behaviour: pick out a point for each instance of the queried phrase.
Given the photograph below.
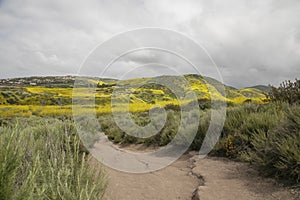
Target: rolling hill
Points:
(49, 95)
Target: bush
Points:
(287, 92)
(241, 123)
(110, 128)
(202, 129)
(277, 151)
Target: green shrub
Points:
(110, 128)
(288, 91)
(202, 129)
(231, 139)
(277, 151)
(170, 128)
(241, 123)
(167, 133)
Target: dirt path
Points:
(194, 178)
(173, 182)
(227, 180)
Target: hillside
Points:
(262, 88)
(30, 95)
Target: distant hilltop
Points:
(68, 81)
(37, 80)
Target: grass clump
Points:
(41, 159)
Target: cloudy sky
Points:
(251, 42)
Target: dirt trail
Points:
(173, 182)
(194, 178)
(227, 180)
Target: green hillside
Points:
(263, 88)
(53, 95)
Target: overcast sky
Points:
(252, 42)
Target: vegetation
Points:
(54, 97)
(277, 150)
(41, 158)
(162, 138)
(288, 91)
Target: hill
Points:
(263, 88)
(30, 95)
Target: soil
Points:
(193, 178)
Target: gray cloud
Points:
(252, 42)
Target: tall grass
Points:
(41, 159)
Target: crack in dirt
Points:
(201, 180)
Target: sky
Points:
(251, 42)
